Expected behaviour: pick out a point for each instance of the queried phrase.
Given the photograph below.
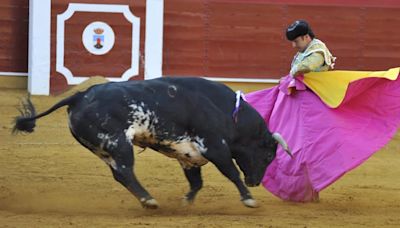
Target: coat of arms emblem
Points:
(98, 38)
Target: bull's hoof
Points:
(250, 203)
(150, 204)
(186, 202)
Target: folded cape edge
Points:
(331, 86)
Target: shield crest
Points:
(98, 38)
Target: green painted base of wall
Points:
(13, 82)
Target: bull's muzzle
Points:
(250, 183)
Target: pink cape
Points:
(325, 142)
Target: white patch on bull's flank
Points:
(223, 141)
(130, 134)
(142, 122)
(188, 150)
(107, 141)
(103, 155)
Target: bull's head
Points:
(254, 159)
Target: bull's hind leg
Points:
(193, 175)
(221, 157)
(122, 169)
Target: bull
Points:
(189, 119)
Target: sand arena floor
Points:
(48, 180)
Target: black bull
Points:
(189, 119)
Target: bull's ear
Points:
(278, 137)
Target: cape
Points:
(332, 121)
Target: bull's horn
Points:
(278, 137)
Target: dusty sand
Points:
(48, 180)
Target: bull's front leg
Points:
(193, 175)
(221, 157)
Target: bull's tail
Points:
(26, 122)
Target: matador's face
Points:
(301, 43)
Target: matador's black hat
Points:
(298, 28)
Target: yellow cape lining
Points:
(331, 86)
